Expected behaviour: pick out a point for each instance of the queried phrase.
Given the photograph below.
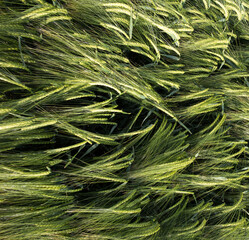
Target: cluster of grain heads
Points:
(124, 119)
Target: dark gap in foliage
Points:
(162, 91)
(200, 122)
(62, 140)
(103, 94)
(99, 151)
(36, 145)
(98, 128)
(219, 67)
(7, 5)
(243, 42)
(49, 1)
(80, 158)
(78, 102)
(29, 44)
(136, 59)
(16, 94)
(189, 103)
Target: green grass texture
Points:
(124, 119)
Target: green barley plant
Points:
(124, 119)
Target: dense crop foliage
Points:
(124, 119)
